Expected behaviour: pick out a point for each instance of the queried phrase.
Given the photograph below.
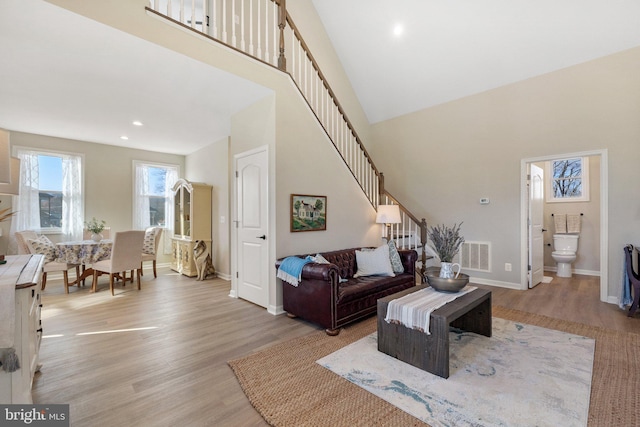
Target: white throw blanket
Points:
(414, 310)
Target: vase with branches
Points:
(446, 242)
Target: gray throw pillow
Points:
(394, 257)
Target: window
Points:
(568, 180)
(153, 194)
(50, 199)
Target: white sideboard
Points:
(25, 271)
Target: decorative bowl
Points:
(441, 284)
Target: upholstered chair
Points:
(150, 247)
(30, 243)
(126, 254)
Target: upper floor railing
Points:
(263, 30)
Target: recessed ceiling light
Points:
(398, 30)
(125, 137)
(137, 123)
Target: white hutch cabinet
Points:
(24, 274)
(192, 204)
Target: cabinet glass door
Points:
(177, 212)
(186, 209)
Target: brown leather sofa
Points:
(322, 298)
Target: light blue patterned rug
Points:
(523, 375)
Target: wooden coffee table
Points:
(470, 312)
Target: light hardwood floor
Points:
(158, 357)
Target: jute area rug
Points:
(288, 388)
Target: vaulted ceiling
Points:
(447, 50)
(67, 76)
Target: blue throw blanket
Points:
(625, 297)
(290, 269)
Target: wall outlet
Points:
(507, 266)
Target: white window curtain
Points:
(141, 217)
(72, 198)
(27, 204)
(141, 202)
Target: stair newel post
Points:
(380, 188)
(423, 239)
(282, 21)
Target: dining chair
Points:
(126, 254)
(150, 247)
(634, 278)
(106, 233)
(30, 243)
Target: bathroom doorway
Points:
(592, 256)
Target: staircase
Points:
(264, 31)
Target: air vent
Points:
(475, 256)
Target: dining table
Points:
(83, 252)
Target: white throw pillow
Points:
(374, 262)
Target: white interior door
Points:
(536, 240)
(253, 219)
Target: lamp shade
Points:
(5, 158)
(14, 185)
(388, 214)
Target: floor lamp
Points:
(387, 215)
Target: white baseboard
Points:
(496, 283)
(275, 310)
(223, 276)
(575, 271)
(613, 300)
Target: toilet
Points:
(565, 247)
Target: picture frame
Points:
(308, 213)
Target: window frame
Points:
(144, 163)
(55, 153)
(584, 178)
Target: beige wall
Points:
(301, 161)
(444, 159)
(108, 177)
(440, 161)
(211, 165)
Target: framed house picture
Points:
(308, 213)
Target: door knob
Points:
(544, 229)
(263, 237)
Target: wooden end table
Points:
(470, 312)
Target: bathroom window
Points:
(568, 180)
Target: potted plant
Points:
(95, 227)
(446, 241)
